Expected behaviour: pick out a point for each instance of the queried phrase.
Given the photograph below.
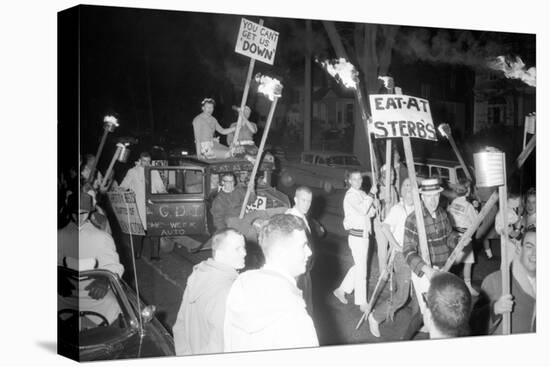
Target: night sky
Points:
(154, 67)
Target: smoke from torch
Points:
(514, 69)
(270, 87)
(341, 70)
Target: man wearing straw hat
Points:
(440, 236)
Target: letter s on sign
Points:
(380, 129)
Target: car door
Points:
(176, 200)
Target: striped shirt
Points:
(441, 240)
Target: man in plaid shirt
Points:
(441, 238)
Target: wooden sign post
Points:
(259, 43)
(258, 159)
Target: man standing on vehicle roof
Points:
(199, 324)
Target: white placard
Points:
(397, 115)
(257, 41)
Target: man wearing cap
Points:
(439, 233)
(245, 142)
(204, 127)
(84, 243)
(463, 215)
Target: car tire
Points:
(327, 187)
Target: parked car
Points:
(84, 332)
(326, 170)
(448, 172)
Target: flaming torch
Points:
(272, 89)
(514, 69)
(445, 131)
(110, 122)
(121, 154)
(345, 73)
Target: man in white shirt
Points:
(265, 308)
(393, 228)
(135, 181)
(302, 202)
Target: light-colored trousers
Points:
(356, 277)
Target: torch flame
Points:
(341, 70)
(109, 119)
(270, 87)
(387, 80)
(514, 69)
(444, 130)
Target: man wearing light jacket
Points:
(265, 309)
(199, 324)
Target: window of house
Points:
(349, 113)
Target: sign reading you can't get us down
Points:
(257, 41)
(398, 115)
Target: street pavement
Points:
(162, 282)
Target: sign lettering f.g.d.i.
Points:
(257, 41)
(397, 115)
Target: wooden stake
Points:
(388, 176)
(425, 252)
(244, 97)
(111, 165)
(381, 280)
(252, 179)
(97, 155)
(459, 156)
(467, 236)
(504, 264)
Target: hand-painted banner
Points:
(257, 41)
(397, 115)
(126, 211)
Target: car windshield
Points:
(92, 306)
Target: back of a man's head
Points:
(449, 303)
(277, 228)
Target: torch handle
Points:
(97, 155)
(375, 293)
(504, 265)
(423, 239)
(459, 156)
(111, 165)
(257, 161)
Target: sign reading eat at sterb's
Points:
(257, 41)
(397, 115)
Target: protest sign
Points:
(126, 212)
(395, 115)
(256, 41)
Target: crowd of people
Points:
(226, 309)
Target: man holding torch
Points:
(441, 238)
